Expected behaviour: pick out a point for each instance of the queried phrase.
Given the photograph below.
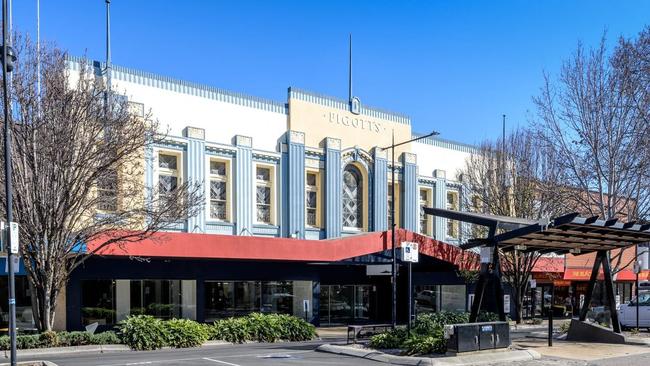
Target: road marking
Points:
(221, 362)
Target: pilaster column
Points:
(380, 190)
(333, 185)
(296, 183)
(410, 207)
(243, 195)
(440, 201)
(195, 170)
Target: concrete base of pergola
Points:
(580, 331)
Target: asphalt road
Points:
(263, 354)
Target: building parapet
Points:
(334, 102)
(181, 86)
(444, 143)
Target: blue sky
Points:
(453, 66)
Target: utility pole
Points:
(8, 57)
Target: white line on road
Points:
(221, 362)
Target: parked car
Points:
(627, 312)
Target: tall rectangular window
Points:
(168, 175)
(311, 200)
(218, 190)
(263, 189)
(107, 191)
(453, 204)
(424, 218)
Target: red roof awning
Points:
(190, 245)
(549, 264)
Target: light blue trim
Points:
(148, 175)
(244, 193)
(410, 209)
(333, 183)
(444, 143)
(296, 184)
(180, 86)
(266, 230)
(314, 234)
(380, 196)
(218, 227)
(440, 201)
(195, 172)
(334, 102)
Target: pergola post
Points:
(591, 285)
(609, 288)
(479, 291)
(498, 285)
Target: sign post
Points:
(637, 269)
(410, 255)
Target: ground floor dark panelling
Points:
(105, 290)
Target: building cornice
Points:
(444, 143)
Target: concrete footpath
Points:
(479, 358)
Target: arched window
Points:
(352, 197)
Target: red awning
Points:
(190, 245)
(549, 264)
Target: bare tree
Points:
(594, 118)
(79, 162)
(516, 178)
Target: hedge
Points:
(60, 339)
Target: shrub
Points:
(295, 329)
(108, 337)
(233, 330)
(264, 328)
(389, 340)
(143, 332)
(48, 339)
(423, 345)
(185, 333)
(74, 338)
(4, 343)
(27, 341)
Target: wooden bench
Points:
(359, 331)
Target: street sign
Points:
(486, 254)
(506, 304)
(410, 252)
(533, 283)
(637, 267)
(3, 237)
(13, 234)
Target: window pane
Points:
(311, 199)
(167, 184)
(263, 195)
(263, 174)
(311, 180)
(264, 214)
(24, 315)
(352, 197)
(218, 168)
(452, 298)
(423, 195)
(217, 190)
(277, 297)
(167, 161)
(311, 217)
(218, 210)
(97, 302)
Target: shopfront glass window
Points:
(97, 302)
(237, 298)
(435, 298)
(24, 316)
(346, 304)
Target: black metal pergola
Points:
(560, 235)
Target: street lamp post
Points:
(392, 224)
